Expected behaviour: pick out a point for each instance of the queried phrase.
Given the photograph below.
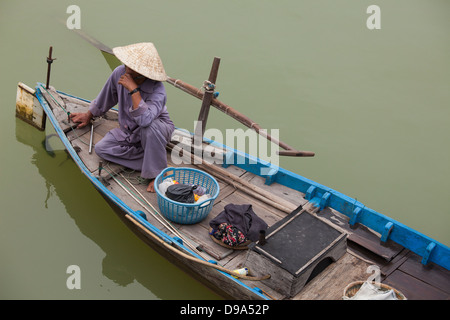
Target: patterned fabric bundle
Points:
(229, 235)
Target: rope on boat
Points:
(54, 99)
(169, 226)
(67, 112)
(208, 86)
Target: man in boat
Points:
(145, 126)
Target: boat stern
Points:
(28, 107)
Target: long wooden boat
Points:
(318, 242)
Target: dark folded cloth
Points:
(243, 218)
(181, 193)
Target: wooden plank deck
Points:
(400, 268)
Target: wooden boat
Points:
(318, 240)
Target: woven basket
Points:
(186, 213)
(353, 288)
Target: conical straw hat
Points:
(142, 58)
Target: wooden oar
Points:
(289, 151)
(100, 46)
(207, 98)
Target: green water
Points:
(373, 104)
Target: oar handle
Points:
(296, 153)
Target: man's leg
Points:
(130, 156)
(154, 140)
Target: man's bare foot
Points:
(151, 186)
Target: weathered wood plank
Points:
(413, 288)
(237, 261)
(395, 263)
(53, 98)
(69, 99)
(61, 109)
(225, 190)
(293, 196)
(432, 274)
(134, 205)
(362, 235)
(92, 160)
(331, 282)
(101, 127)
(200, 234)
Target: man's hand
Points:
(83, 119)
(128, 82)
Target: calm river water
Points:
(374, 104)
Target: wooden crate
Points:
(297, 248)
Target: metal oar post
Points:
(49, 62)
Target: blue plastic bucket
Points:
(186, 213)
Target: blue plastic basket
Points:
(186, 213)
